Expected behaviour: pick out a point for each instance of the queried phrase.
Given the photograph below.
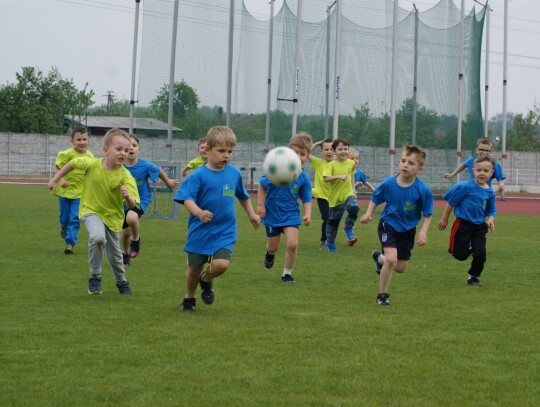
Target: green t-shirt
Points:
(321, 189)
(196, 163)
(74, 177)
(101, 191)
(340, 190)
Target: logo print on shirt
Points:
(227, 190)
(410, 206)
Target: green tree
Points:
(37, 103)
(185, 101)
(524, 134)
(427, 121)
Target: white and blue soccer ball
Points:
(282, 166)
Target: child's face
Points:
(409, 165)
(342, 152)
(80, 142)
(219, 156)
(355, 158)
(483, 149)
(302, 154)
(116, 153)
(482, 172)
(203, 150)
(327, 152)
(134, 149)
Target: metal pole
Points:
(460, 84)
(134, 66)
(171, 82)
(337, 69)
(297, 66)
(269, 90)
(486, 92)
(229, 64)
(505, 83)
(327, 89)
(415, 79)
(393, 91)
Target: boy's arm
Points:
(330, 178)
(491, 223)
(128, 199)
(253, 217)
(63, 182)
(444, 218)
(203, 215)
(456, 171)
(366, 217)
(315, 145)
(171, 183)
(421, 239)
(185, 170)
(307, 214)
(261, 199)
(370, 186)
(58, 176)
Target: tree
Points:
(185, 101)
(524, 136)
(37, 103)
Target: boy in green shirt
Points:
(107, 185)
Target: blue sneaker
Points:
(123, 287)
(382, 299)
(94, 285)
(331, 247)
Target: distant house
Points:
(142, 126)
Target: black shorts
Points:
(272, 231)
(402, 241)
(135, 209)
(197, 260)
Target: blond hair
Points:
(115, 132)
(302, 141)
(220, 135)
(353, 153)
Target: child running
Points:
(142, 171)
(107, 186)
(278, 207)
(359, 177)
(407, 198)
(198, 161)
(208, 194)
(69, 188)
(473, 203)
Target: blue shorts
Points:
(402, 241)
(272, 231)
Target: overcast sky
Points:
(92, 41)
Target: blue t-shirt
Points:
(404, 205)
(359, 176)
(471, 202)
(214, 191)
(142, 171)
(281, 202)
(498, 173)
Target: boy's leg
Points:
(352, 208)
(73, 225)
(390, 262)
(332, 226)
(63, 204)
(114, 255)
(478, 242)
(324, 208)
(460, 239)
(219, 263)
(96, 242)
(291, 238)
(273, 237)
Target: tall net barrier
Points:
(428, 57)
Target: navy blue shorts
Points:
(402, 241)
(272, 231)
(135, 209)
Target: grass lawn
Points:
(321, 342)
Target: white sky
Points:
(92, 41)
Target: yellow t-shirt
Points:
(101, 191)
(321, 189)
(340, 190)
(74, 177)
(196, 163)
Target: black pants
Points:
(466, 238)
(324, 208)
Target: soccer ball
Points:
(282, 166)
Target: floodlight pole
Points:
(134, 66)
(505, 83)
(460, 84)
(393, 88)
(486, 89)
(415, 77)
(297, 66)
(171, 82)
(229, 64)
(327, 88)
(337, 69)
(269, 90)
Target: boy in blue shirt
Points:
(472, 201)
(141, 170)
(407, 198)
(278, 207)
(484, 146)
(359, 177)
(208, 194)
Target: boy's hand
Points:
(64, 183)
(448, 175)
(255, 220)
(365, 218)
(261, 211)
(421, 239)
(205, 216)
(442, 224)
(173, 183)
(491, 225)
(51, 185)
(307, 220)
(124, 191)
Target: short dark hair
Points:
(414, 149)
(339, 141)
(78, 129)
(487, 157)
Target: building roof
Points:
(108, 122)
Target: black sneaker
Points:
(94, 285)
(135, 247)
(269, 260)
(68, 249)
(472, 280)
(123, 287)
(287, 278)
(188, 305)
(375, 255)
(382, 299)
(207, 294)
(126, 259)
(63, 231)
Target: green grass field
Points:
(321, 342)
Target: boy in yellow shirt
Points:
(107, 185)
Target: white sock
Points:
(287, 271)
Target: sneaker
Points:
(287, 278)
(375, 255)
(94, 285)
(135, 247)
(331, 247)
(352, 239)
(382, 299)
(472, 280)
(63, 232)
(207, 294)
(269, 260)
(126, 259)
(188, 305)
(123, 287)
(351, 243)
(68, 249)
(322, 246)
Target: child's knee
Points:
(98, 240)
(353, 212)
